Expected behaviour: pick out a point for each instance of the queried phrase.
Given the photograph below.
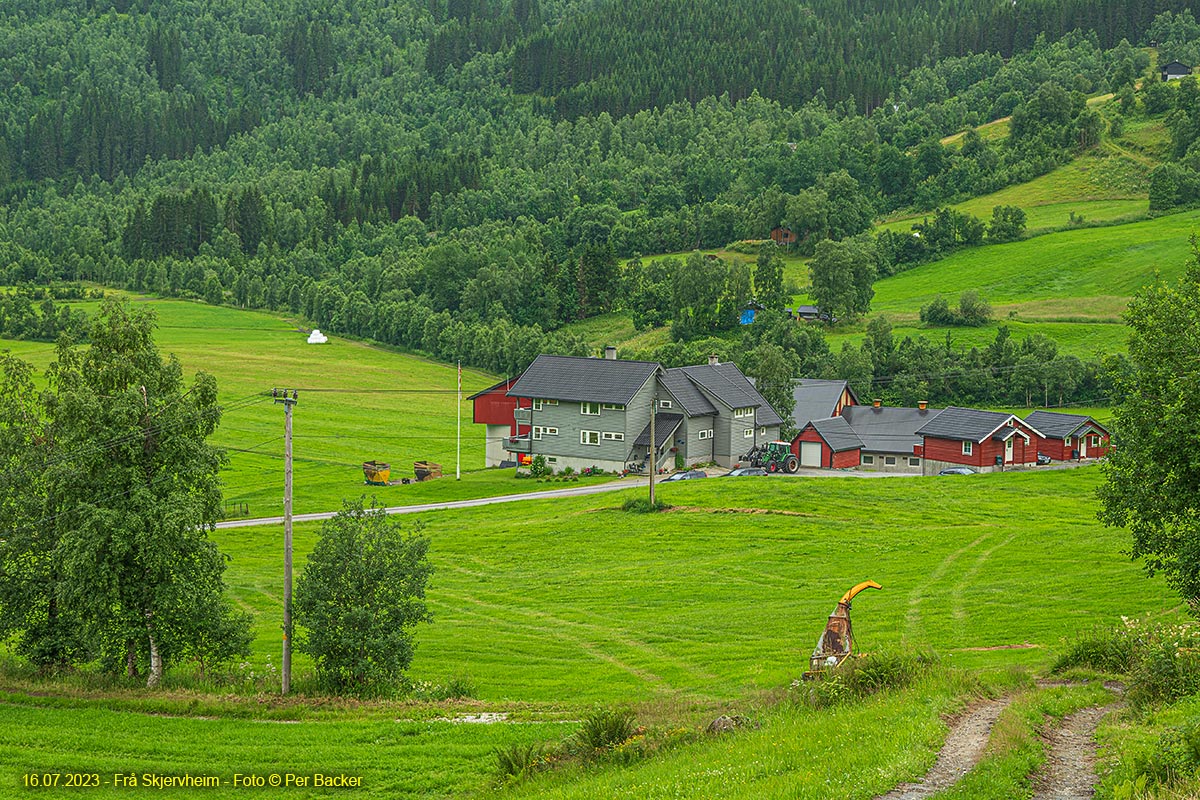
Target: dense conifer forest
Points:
(464, 178)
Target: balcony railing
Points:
(518, 444)
(523, 415)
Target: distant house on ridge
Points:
(1174, 71)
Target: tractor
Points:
(773, 457)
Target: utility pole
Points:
(458, 430)
(653, 447)
(281, 396)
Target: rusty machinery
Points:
(836, 642)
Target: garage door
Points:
(810, 454)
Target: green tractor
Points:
(773, 457)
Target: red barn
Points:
(1069, 436)
(984, 440)
(495, 410)
(829, 444)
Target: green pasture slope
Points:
(1072, 285)
(552, 607)
(358, 403)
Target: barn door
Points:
(810, 454)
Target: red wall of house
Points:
(982, 454)
(1059, 450)
(494, 408)
(847, 459)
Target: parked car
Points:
(744, 472)
(1043, 459)
(958, 471)
(688, 475)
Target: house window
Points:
(706, 434)
(538, 430)
(746, 434)
(551, 431)
(551, 402)
(762, 431)
(612, 406)
(589, 437)
(552, 460)
(664, 403)
(590, 409)
(868, 459)
(613, 437)
(889, 461)
(914, 462)
(537, 405)
(1093, 441)
(966, 448)
(1068, 441)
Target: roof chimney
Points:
(922, 404)
(877, 402)
(713, 360)
(610, 353)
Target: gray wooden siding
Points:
(566, 417)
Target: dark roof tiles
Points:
(595, 380)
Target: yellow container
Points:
(377, 473)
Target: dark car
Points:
(958, 471)
(744, 472)
(690, 474)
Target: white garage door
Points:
(810, 454)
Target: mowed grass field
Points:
(554, 607)
(357, 403)
(575, 601)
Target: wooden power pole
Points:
(653, 448)
(281, 396)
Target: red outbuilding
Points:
(828, 443)
(1069, 436)
(986, 441)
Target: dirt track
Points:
(963, 748)
(1070, 772)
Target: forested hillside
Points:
(624, 56)
(368, 165)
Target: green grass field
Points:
(554, 606)
(1099, 188)
(358, 403)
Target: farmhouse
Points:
(889, 435)
(984, 440)
(493, 409)
(1174, 70)
(1069, 436)
(828, 443)
(584, 412)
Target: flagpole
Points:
(458, 433)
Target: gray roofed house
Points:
(598, 380)
(819, 399)
(690, 398)
(595, 412)
(838, 434)
(888, 429)
(969, 424)
(1056, 425)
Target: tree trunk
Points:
(131, 667)
(156, 664)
